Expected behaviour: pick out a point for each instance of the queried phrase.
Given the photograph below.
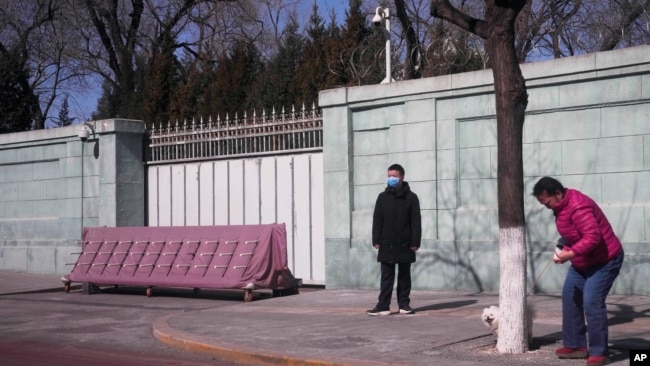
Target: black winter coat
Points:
(397, 224)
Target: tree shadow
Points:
(625, 314)
(460, 266)
(446, 305)
(620, 348)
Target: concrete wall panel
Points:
(53, 184)
(586, 124)
(371, 142)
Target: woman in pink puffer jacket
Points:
(596, 257)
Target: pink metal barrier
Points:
(244, 257)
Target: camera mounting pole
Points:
(383, 14)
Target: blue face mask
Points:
(392, 181)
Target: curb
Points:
(223, 351)
(39, 291)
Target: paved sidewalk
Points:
(19, 282)
(330, 327)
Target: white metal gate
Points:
(202, 175)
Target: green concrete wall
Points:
(587, 123)
(52, 184)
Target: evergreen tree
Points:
(196, 75)
(232, 81)
(64, 114)
(311, 72)
(17, 104)
(272, 89)
(332, 44)
(351, 51)
(161, 83)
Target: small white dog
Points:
(490, 318)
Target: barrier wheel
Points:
(66, 287)
(248, 295)
(148, 291)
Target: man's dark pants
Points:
(388, 281)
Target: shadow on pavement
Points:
(446, 305)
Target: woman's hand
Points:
(562, 256)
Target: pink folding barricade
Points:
(244, 257)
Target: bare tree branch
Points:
(444, 10)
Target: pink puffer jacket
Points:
(585, 229)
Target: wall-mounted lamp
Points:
(383, 14)
(85, 131)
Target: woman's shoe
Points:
(596, 360)
(566, 352)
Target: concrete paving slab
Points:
(330, 327)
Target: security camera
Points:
(83, 134)
(379, 17)
(85, 131)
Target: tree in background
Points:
(124, 41)
(231, 81)
(154, 59)
(64, 114)
(413, 58)
(498, 30)
(311, 72)
(452, 50)
(161, 83)
(116, 29)
(17, 102)
(33, 41)
(350, 54)
(272, 89)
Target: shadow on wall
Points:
(449, 267)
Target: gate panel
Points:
(153, 196)
(284, 194)
(317, 219)
(206, 194)
(221, 179)
(236, 192)
(192, 191)
(164, 209)
(252, 192)
(268, 207)
(275, 189)
(178, 191)
(302, 217)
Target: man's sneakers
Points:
(374, 311)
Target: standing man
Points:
(396, 233)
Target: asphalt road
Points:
(107, 328)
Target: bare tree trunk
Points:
(511, 100)
(412, 64)
(498, 29)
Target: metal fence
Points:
(295, 131)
